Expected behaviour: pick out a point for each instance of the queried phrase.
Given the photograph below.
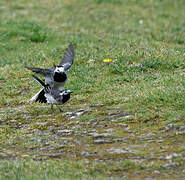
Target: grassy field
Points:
(125, 120)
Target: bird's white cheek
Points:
(60, 69)
(61, 94)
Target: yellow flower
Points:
(107, 60)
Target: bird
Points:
(56, 77)
(51, 96)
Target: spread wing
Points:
(39, 96)
(42, 71)
(68, 58)
(39, 81)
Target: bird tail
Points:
(39, 81)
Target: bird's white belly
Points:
(59, 86)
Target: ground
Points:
(125, 119)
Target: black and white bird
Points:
(51, 96)
(56, 77)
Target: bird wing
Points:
(42, 71)
(68, 58)
(47, 87)
(41, 97)
(35, 97)
(39, 80)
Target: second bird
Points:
(53, 97)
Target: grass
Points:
(56, 170)
(79, 170)
(144, 39)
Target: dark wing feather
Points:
(68, 58)
(41, 97)
(40, 70)
(39, 80)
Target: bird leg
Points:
(61, 110)
(52, 107)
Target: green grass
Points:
(146, 79)
(29, 169)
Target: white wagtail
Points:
(56, 77)
(51, 96)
